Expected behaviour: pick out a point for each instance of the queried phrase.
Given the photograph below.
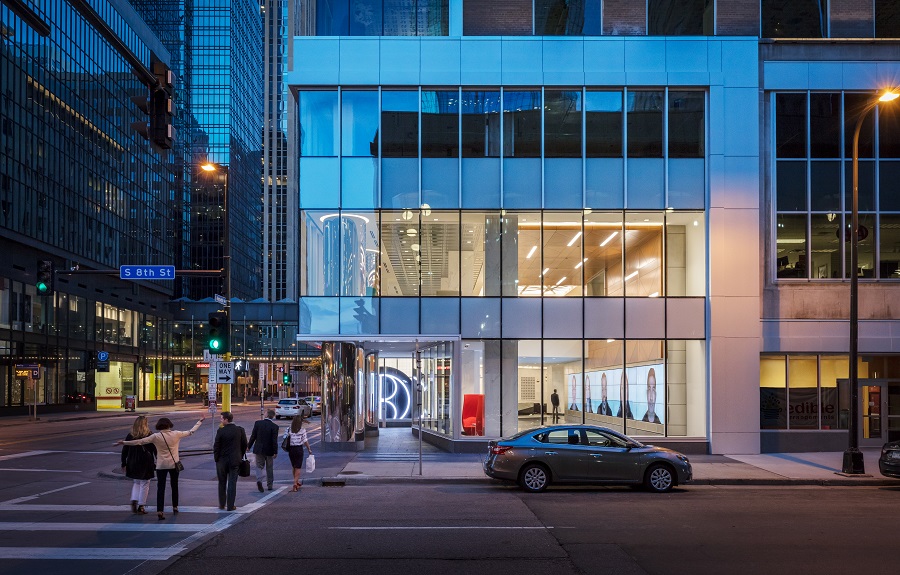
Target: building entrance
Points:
(880, 411)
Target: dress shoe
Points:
(270, 488)
(259, 486)
(232, 508)
(221, 507)
(160, 516)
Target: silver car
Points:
(583, 454)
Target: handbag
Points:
(244, 467)
(286, 443)
(179, 466)
(310, 463)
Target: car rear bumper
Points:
(889, 469)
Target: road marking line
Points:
(23, 454)
(50, 470)
(35, 496)
(12, 506)
(109, 553)
(155, 527)
(433, 528)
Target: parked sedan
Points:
(583, 454)
(315, 401)
(292, 407)
(889, 462)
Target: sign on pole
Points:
(225, 372)
(220, 299)
(147, 272)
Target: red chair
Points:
(473, 414)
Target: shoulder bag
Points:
(179, 466)
(244, 467)
(286, 442)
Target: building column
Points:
(341, 366)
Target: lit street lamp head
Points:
(889, 96)
(208, 167)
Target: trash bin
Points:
(130, 403)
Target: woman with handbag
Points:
(139, 463)
(168, 464)
(295, 438)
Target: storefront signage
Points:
(202, 366)
(28, 371)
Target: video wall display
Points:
(636, 392)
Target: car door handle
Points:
(549, 453)
(596, 455)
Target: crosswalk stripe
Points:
(117, 508)
(153, 527)
(106, 553)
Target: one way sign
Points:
(224, 372)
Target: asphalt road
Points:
(64, 510)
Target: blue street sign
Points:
(147, 272)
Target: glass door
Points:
(879, 411)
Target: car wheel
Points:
(534, 478)
(659, 478)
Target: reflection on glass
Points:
(359, 123)
(440, 124)
(562, 123)
(479, 256)
(687, 132)
(794, 18)
(359, 254)
(522, 124)
(480, 124)
(643, 254)
(680, 17)
(889, 242)
(790, 185)
(332, 17)
(831, 369)
(825, 185)
(318, 123)
(825, 125)
(366, 18)
(603, 123)
(645, 124)
(400, 124)
(825, 245)
(866, 185)
(854, 104)
(866, 246)
(790, 125)
(400, 259)
(564, 18)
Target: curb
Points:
(362, 480)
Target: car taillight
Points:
(500, 449)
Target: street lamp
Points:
(853, 458)
(211, 167)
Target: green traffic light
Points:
(215, 344)
(42, 287)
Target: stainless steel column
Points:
(372, 393)
(340, 392)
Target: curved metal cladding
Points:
(371, 394)
(360, 395)
(340, 414)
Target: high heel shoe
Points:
(140, 510)
(175, 509)
(160, 516)
(295, 487)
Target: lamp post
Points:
(853, 463)
(211, 167)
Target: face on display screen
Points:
(604, 391)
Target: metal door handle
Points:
(596, 455)
(549, 453)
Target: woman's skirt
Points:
(297, 455)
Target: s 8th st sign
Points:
(147, 272)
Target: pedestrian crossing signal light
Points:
(44, 284)
(218, 332)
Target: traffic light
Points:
(218, 332)
(286, 379)
(162, 106)
(44, 283)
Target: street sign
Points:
(224, 372)
(211, 391)
(212, 407)
(220, 299)
(102, 361)
(147, 272)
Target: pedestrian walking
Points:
(264, 444)
(139, 464)
(166, 440)
(228, 450)
(298, 439)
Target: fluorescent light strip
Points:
(609, 239)
(631, 275)
(654, 294)
(561, 280)
(545, 271)
(573, 240)
(531, 252)
(579, 264)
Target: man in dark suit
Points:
(228, 450)
(264, 444)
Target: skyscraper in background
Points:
(219, 97)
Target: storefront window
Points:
(773, 408)
(644, 388)
(803, 393)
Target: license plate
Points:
(895, 455)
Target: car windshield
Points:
(288, 402)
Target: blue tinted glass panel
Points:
(687, 187)
(603, 124)
(889, 192)
(645, 183)
(480, 124)
(359, 315)
(790, 182)
(687, 131)
(562, 123)
(400, 315)
(480, 317)
(481, 182)
(825, 186)
(562, 183)
(365, 18)
(794, 18)
(432, 17)
(645, 124)
(866, 186)
(522, 183)
(319, 315)
(320, 182)
(400, 124)
(440, 182)
(318, 124)
(359, 123)
(440, 124)
(359, 182)
(332, 17)
(399, 18)
(399, 183)
(522, 124)
(440, 315)
(604, 183)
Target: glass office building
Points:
(605, 212)
(80, 187)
